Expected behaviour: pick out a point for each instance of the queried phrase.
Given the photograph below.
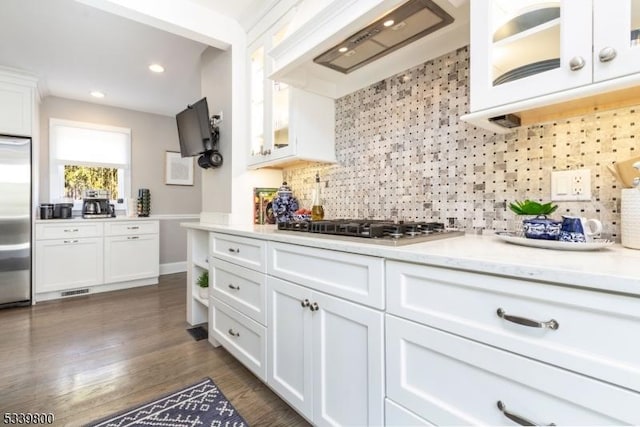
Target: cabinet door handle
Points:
(305, 303)
(235, 288)
(314, 307)
(70, 230)
(551, 324)
(133, 228)
(71, 241)
(133, 238)
(233, 333)
(516, 418)
(234, 251)
(607, 54)
(577, 63)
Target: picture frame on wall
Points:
(178, 170)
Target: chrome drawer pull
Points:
(235, 288)
(70, 230)
(133, 238)
(516, 418)
(305, 303)
(133, 228)
(551, 324)
(314, 307)
(234, 251)
(71, 241)
(233, 333)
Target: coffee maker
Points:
(95, 204)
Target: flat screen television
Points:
(194, 129)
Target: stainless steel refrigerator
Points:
(15, 221)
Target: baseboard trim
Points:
(173, 267)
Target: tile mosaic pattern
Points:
(402, 151)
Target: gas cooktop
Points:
(373, 231)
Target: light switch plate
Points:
(571, 185)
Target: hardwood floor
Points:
(84, 358)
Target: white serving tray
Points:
(553, 244)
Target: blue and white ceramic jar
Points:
(542, 228)
(284, 204)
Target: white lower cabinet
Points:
(325, 355)
(86, 256)
(240, 336)
(131, 257)
(451, 380)
(397, 416)
(68, 263)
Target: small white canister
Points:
(630, 218)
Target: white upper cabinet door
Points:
(616, 38)
(16, 109)
(522, 49)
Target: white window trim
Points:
(56, 167)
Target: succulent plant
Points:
(529, 207)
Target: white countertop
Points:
(614, 268)
(79, 219)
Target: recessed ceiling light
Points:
(97, 94)
(156, 68)
(343, 49)
(388, 23)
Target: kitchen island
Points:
(541, 333)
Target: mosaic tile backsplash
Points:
(403, 152)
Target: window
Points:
(88, 156)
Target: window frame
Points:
(56, 166)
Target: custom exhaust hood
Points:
(403, 25)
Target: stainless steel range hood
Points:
(409, 22)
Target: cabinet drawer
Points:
(250, 253)
(68, 230)
(397, 416)
(240, 288)
(593, 327)
(358, 278)
(130, 228)
(450, 380)
(240, 336)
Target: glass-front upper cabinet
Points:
(257, 77)
(616, 38)
(526, 48)
(270, 101)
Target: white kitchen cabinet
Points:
(451, 380)
(131, 257)
(17, 103)
(67, 264)
(542, 60)
(131, 251)
(287, 124)
(325, 355)
(510, 35)
(94, 256)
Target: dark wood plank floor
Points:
(84, 358)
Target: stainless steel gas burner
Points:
(374, 231)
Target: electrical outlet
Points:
(571, 185)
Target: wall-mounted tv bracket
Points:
(212, 158)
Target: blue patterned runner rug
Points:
(200, 404)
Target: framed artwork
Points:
(262, 206)
(178, 170)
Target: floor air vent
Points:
(198, 333)
(76, 292)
